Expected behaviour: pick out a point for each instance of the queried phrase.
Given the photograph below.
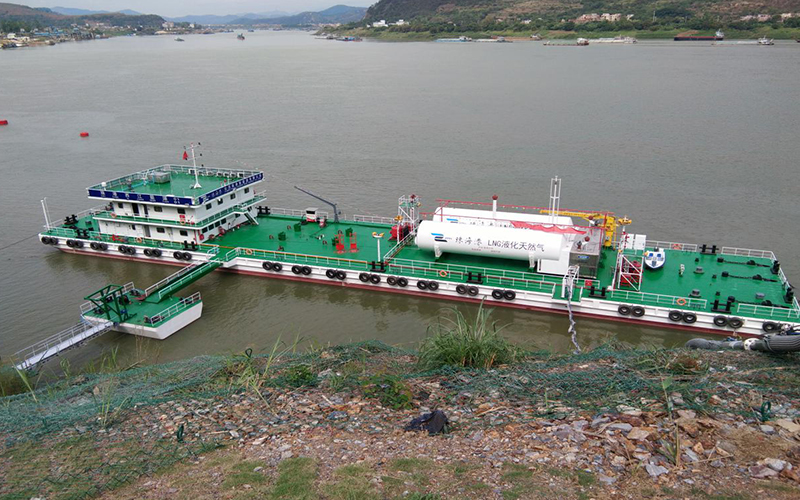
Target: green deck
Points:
(314, 244)
(148, 308)
(180, 185)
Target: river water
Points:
(694, 142)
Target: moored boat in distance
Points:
(349, 39)
(240, 36)
(718, 37)
(616, 39)
(765, 41)
(460, 39)
(523, 257)
(179, 39)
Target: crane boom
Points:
(609, 221)
(323, 200)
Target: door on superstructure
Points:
(146, 231)
(135, 207)
(146, 212)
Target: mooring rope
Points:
(572, 329)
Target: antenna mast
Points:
(555, 199)
(194, 164)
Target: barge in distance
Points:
(532, 258)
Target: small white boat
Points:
(459, 39)
(179, 39)
(765, 41)
(655, 259)
(582, 42)
(616, 39)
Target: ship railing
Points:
(126, 240)
(779, 313)
(173, 310)
(458, 272)
(297, 258)
(399, 246)
(80, 215)
(657, 299)
(747, 252)
(172, 278)
(671, 245)
(105, 214)
(374, 219)
(88, 306)
(294, 213)
(60, 342)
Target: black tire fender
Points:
(297, 269)
(689, 318)
(341, 275)
(675, 316)
(330, 273)
(461, 289)
(391, 281)
(497, 294)
(374, 279)
(638, 311)
(402, 282)
(473, 290)
(267, 266)
(770, 326)
(422, 285)
(433, 286)
(736, 323)
(624, 310)
(509, 295)
(363, 277)
(305, 270)
(177, 255)
(720, 321)
(277, 267)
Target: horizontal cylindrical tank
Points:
(489, 241)
(493, 218)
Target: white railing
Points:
(672, 245)
(61, 341)
(294, 213)
(171, 278)
(769, 312)
(80, 215)
(174, 309)
(656, 299)
(374, 219)
(747, 252)
(399, 246)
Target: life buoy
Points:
(677, 246)
(248, 251)
(681, 301)
(139, 239)
(443, 273)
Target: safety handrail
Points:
(769, 311)
(748, 252)
(38, 352)
(174, 309)
(299, 258)
(657, 299)
(671, 245)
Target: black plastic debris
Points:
(434, 422)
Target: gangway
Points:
(65, 340)
(181, 279)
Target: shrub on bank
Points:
(459, 341)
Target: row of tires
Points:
(49, 240)
(636, 311)
(123, 249)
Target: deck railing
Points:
(297, 258)
(779, 313)
(656, 299)
(671, 245)
(138, 219)
(747, 252)
(80, 215)
(60, 342)
(374, 219)
(175, 309)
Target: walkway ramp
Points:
(65, 340)
(183, 278)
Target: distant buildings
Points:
(383, 24)
(593, 18)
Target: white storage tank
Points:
(491, 241)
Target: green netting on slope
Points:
(94, 433)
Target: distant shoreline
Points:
(422, 36)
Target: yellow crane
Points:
(606, 220)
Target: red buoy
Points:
(84, 134)
(3, 122)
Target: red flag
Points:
(185, 155)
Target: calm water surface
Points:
(694, 142)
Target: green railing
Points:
(297, 258)
(778, 313)
(127, 240)
(241, 207)
(174, 310)
(655, 299)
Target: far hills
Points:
(458, 11)
(14, 16)
(336, 14)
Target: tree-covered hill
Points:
(15, 16)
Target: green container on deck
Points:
(297, 227)
(282, 236)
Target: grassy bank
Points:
(328, 424)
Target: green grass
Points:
(462, 342)
(295, 481)
(352, 482)
(243, 473)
